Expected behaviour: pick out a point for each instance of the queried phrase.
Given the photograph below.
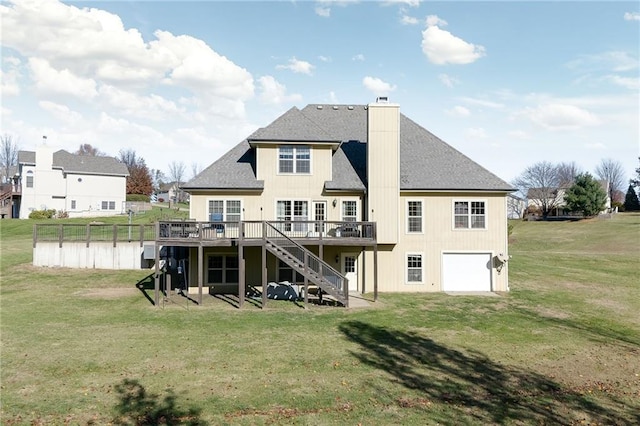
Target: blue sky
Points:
(506, 83)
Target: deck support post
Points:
(156, 296)
(241, 271)
(375, 272)
(200, 273)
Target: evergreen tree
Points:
(631, 202)
(586, 196)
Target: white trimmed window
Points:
(414, 216)
(225, 210)
(295, 159)
(349, 211)
(469, 215)
(108, 205)
(29, 179)
(414, 268)
(222, 269)
(73, 204)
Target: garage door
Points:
(466, 271)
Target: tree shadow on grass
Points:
(136, 407)
(476, 387)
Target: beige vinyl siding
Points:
(383, 170)
(438, 237)
(261, 205)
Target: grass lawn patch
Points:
(563, 347)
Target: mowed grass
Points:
(563, 347)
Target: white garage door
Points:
(466, 271)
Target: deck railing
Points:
(319, 230)
(93, 232)
(167, 232)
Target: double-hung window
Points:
(469, 215)
(414, 268)
(108, 205)
(414, 216)
(29, 179)
(349, 211)
(295, 159)
(225, 210)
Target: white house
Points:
(79, 185)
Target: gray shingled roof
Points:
(83, 164)
(426, 162)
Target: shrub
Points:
(138, 197)
(62, 214)
(42, 214)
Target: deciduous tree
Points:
(567, 173)
(540, 183)
(139, 180)
(612, 172)
(8, 155)
(586, 196)
(88, 149)
(176, 174)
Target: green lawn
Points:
(563, 347)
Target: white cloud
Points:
(324, 58)
(61, 112)
(333, 98)
(153, 107)
(448, 80)
(632, 16)
(632, 83)
(377, 86)
(325, 12)
(561, 117)
(358, 57)
(482, 102)
(442, 47)
(618, 61)
(476, 133)
(519, 134)
(408, 20)
(91, 44)
(9, 85)
(51, 81)
(273, 92)
(595, 146)
(458, 111)
(434, 20)
(409, 3)
(297, 66)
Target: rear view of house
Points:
(361, 188)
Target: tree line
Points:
(549, 186)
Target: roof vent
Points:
(335, 107)
(319, 106)
(382, 99)
(350, 107)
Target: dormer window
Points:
(294, 159)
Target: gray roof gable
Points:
(426, 162)
(81, 164)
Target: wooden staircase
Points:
(317, 271)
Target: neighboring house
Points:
(516, 207)
(80, 185)
(553, 199)
(364, 188)
(170, 192)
